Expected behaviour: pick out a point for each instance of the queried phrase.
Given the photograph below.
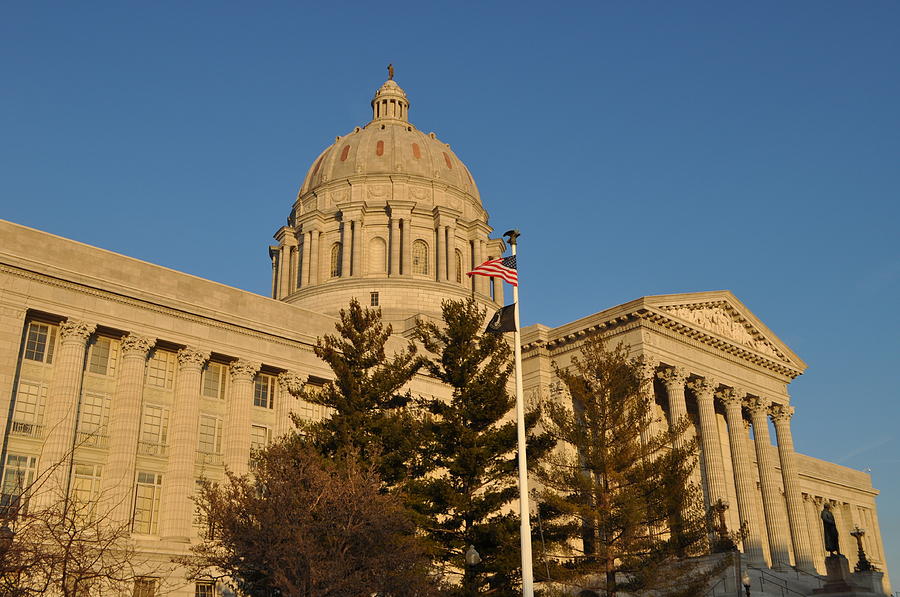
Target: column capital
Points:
(291, 382)
(242, 370)
(673, 376)
(704, 387)
(192, 358)
(649, 365)
(731, 397)
(757, 406)
(135, 345)
(75, 330)
(781, 413)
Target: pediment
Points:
(722, 315)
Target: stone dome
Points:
(390, 145)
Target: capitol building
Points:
(129, 380)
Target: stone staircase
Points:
(767, 583)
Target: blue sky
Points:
(641, 147)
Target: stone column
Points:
(704, 390)
(346, 247)
(813, 506)
(481, 282)
(743, 476)
(406, 242)
(61, 411)
(314, 257)
(238, 416)
(395, 246)
(451, 254)
(304, 265)
(771, 495)
(441, 253)
(124, 425)
(178, 484)
(674, 378)
(648, 374)
(289, 384)
(803, 557)
(284, 271)
(356, 254)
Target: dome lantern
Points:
(390, 103)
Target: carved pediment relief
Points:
(722, 320)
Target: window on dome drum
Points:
(93, 420)
(28, 416)
(373, 299)
(205, 589)
(161, 369)
(145, 587)
(214, 380)
(18, 475)
(154, 430)
(147, 491)
(40, 342)
(336, 260)
(459, 262)
(420, 257)
(264, 391)
(102, 355)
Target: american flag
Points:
(503, 267)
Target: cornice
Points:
(151, 307)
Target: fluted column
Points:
(62, 406)
(711, 443)
(451, 254)
(771, 495)
(813, 505)
(238, 416)
(304, 265)
(442, 253)
(743, 475)
(284, 269)
(648, 374)
(124, 425)
(395, 246)
(356, 247)
(289, 384)
(674, 378)
(803, 557)
(346, 247)
(178, 484)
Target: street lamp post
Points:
(863, 564)
(746, 582)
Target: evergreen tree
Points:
(466, 499)
(365, 396)
(615, 506)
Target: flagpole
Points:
(524, 508)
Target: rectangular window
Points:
(93, 420)
(40, 341)
(161, 369)
(154, 430)
(259, 437)
(263, 391)
(147, 491)
(373, 299)
(18, 475)
(28, 417)
(205, 589)
(214, 381)
(102, 355)
(210, 437)
(144, 587)
(86, 488)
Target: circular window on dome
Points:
(447, 160)
(379, 148)
(417, 153)
(345, 152)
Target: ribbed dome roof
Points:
(389, 144)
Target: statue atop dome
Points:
(390, 72)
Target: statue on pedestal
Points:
(832, 546)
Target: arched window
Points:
(335, 260)
(459, 262)
(420, 257)
(377, 256)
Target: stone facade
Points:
(156, 378)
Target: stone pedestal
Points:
(870, 581)
(840, 583)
